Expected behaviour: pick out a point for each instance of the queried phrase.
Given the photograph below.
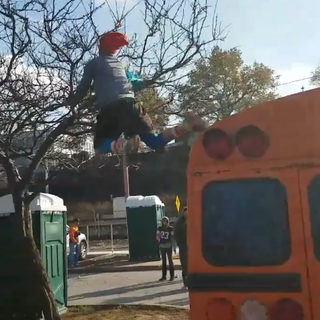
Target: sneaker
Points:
(192, 122)
(163, 279)
(123, 146)
(172, 278)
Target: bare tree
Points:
(39, 68)
(41, 63)
(173, 36)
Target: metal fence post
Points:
(111, 235)
(88, 238)
(99, 225)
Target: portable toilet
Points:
(119, 207)
(49, 231)
(144, 214)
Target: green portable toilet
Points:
(144, 215)
(49, 230)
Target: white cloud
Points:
(294, 79)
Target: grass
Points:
(125, 313)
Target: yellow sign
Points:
(178, 203)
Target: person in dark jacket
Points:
(122, 123)
(180, 233)
(167, 245)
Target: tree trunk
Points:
(35, 298)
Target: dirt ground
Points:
(105, 260)
(125, 313)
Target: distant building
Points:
(30, 141)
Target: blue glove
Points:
(135, 80)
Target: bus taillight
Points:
(288, 309)
(253, 310)
(252, 142)
(217, 144)
(220, 308)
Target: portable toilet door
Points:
(143, 217)
(49, 231)
(53, 221)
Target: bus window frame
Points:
(311, 215)
(196, 183)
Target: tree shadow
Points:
(133, 300)
(120, 290)
(180, 302)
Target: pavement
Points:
(113, 252)
(126, 288)
(107, 252)
(101, 263)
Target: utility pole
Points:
(125, 170)
(46, 176)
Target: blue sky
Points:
(280, 33)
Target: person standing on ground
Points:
(167, 245)
(180, 234)
(73, 244)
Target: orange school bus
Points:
(254, 214)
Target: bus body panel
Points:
(291, 123)
(309, 177)
(200, 304)
(290, 153)
(198, 265)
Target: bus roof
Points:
(291, 123)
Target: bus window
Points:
(245, 223)
(314, 205)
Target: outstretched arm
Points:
(85, 83)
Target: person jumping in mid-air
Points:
(121, 123)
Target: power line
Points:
(293, 81)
